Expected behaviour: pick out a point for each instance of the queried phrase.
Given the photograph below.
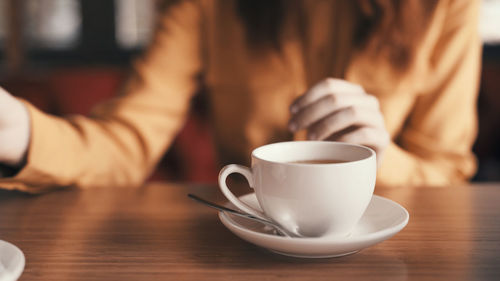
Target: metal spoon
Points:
(275, 226)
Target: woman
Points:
(398, 76)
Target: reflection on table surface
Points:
(156, 232)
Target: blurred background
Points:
(65, 56)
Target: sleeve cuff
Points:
(396, 168)
(34, 177)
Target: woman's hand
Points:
(14, 130)
(338, 110)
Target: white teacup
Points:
(313, 200)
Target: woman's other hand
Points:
(338, 110)
(14, 130)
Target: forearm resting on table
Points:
(80, 152)
(402, 168)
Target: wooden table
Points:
(156, 233)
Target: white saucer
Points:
(382, 219)
(11, 262)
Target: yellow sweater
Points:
(430, 110)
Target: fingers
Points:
(326, 87)
(343, 119)
(5, 99)
(371, 137)
(14, 130)
(374, 138)
(312, 113)
(335, 109)
(327, 105)
(3, 93)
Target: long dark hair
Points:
(390, 28)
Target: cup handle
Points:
(247, 173)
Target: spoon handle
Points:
(215, 206)
(237, 213)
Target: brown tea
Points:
(319, 161)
